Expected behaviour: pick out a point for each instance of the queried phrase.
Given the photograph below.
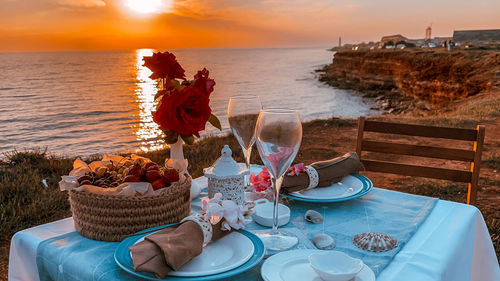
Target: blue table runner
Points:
(73, 257)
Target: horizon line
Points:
(162, 49)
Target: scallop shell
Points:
(313, 216)
(323, 241)
(375, 242)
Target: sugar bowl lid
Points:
(225, 166)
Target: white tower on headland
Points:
(428, 31)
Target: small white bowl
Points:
(263, 213)
(335, 265)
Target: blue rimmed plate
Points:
(124, 260)
(351, 187)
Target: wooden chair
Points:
(473, 156)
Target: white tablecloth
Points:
(453, 244)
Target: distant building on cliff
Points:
(477, 36)
(441, 40)
(397, 39)
(392, 38)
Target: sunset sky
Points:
(45, 25)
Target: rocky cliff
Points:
(433, 76)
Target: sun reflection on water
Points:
(148, 133)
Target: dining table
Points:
(450, 243)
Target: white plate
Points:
(294, 266)
(349, 186)
(225, 254)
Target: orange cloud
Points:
(108, 24)
(82, 3)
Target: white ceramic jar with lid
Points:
(227, 177)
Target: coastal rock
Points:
(313, 216)
(323, 241)
(410, 75)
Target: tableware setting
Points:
(327, 181)
(335, 265)
(202, 244)
(211, 243)
(350, 187)
(304, 264)
(278, 137)
(231, 255)
(263, 213)
(225, 254)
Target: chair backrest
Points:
(472, 156)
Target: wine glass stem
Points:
(246, 154)
(276, 188)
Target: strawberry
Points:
(150, 165)
(135, 171)
(170, 175)
(152, 175)
(158, 184)
(132, 178)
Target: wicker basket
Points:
(112, 217)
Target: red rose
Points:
(202, 82)
(164, 65)
(185, 112)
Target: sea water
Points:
(81, 103)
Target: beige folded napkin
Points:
(171, 248)
(329, 172)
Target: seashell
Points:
(323, 241)
(375, 242)
(313, 216)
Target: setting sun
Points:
(148, 6)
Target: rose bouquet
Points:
(183, 105)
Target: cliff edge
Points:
(415, 77)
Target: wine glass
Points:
(242, 113)
(278, 136)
